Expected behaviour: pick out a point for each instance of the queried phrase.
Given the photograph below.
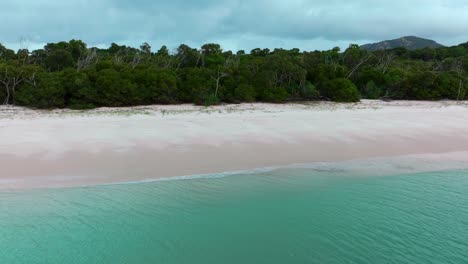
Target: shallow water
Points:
(293, 215)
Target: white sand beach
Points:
(64, 148)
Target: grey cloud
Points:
(236, 24)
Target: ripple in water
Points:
(282, 216)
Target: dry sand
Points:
(63, 148)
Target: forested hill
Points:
(410, 43)
(70, 74)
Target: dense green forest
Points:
(69, 74)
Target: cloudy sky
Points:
(236, 24)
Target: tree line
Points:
(70, 74)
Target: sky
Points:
(235, 24)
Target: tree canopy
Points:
(71, 74)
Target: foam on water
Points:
(385, 166)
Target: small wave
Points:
(197, 176)
(379, 166)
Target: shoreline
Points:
(64, 148)
(362, 167)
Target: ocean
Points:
(348, 212)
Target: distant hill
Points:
(410, 43)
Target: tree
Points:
(245, 93)
(80, 92)
(287, 70)
(260, 52)
(371, 91)
(450, 85)
(220, 74)
(69, 74)
(6, 54)
(309, 91)
(196, 86)
(58, 60)
(46, 91)
(163, 51)
(113, 90)
(458, 68)
(370, 82)
(211, 49)
(145, 52)
(188, 57)
(393, 88)
(340, 90)
(354, 58)
(156, 86)
(10, 78)
(277, 94)
(421, 85)
(23, 56)
(38, 57)
(333, 57)
(77, 49)
(87, 58)
(145, 48)
(115, 48)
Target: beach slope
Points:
(65, 148)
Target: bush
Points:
(211, 100)
(309, 91)
(421, 86)
(196, 85)
(81, 106)
(451, 86)
(156, 86)
(47, 93)
(371, 91)
(275, 95)
(80, 91)
(58, 60)
(246, 93)
(340, 90)
(113, 90)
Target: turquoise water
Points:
(284, 216)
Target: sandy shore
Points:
(63, 148)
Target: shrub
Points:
(79, 89)
(211, 100)
(156, 86)
(48, 92)
(275, 94)
(309, 91)
(340, 90)
(113, 90)
(371, 91)
(246, 93)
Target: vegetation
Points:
(69, 74)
